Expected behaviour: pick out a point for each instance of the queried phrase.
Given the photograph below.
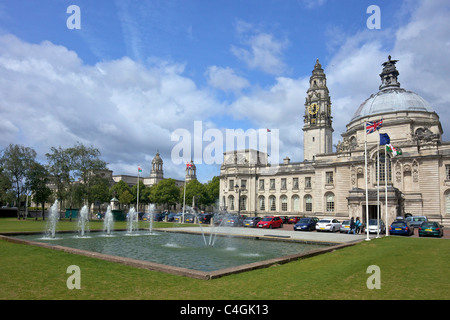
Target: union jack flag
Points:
(372, 126)
(188, 165)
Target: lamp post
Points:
(238, 189)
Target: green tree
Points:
(37, 183)
(165, 192)
(118, 189)
(16, 161)
(198, 190)
(6, 194)
(213, 191)
(126, 197)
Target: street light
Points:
(238, 189)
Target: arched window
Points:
(382, 168)
(272, 203)
(296, 203)
(308, 203)
(329, 200)
(231, 203)
(262, 203)
(284, 202)
(244, 203)
(447, 202)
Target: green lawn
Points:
(411, 268)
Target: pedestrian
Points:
(352, 226)
(358, 225)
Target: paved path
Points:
(327, 237)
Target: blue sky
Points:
(137, 71)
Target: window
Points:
(244, 203)
(295, 183)
(272, 202)
(447, 171)
(329, 198)
(382, 169)
(231, 184)
(262, 203)
(283, 183)
(329, 177)
(308, 182)
(296, 203)
(308, 203)
(231, 202)
(261, 184)
(243, 184)
(272, 183)
(283, 203)
(447, 202)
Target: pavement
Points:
(279, 234)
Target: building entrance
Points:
(372, 212)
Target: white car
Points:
(373, 226)
(328, 225)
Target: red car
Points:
(270, 222)
(293, 220)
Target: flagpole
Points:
(378, 186)
(137, 201)
(367, 188)
(385, 192)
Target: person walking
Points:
(352, 226)
(358, 225)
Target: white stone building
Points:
(332, 182)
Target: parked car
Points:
(416, 221)
(146, 217)
(373, 226)
(401, 227)
(328, 224)
(205, 218)
(307, 223)
(251, 222)
(433, 229)
(171, 216)
(233, 221)
(345, 226)
(284, 219)
(293, 220)
(270, 222)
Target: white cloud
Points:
(127, 110)
(225, 79)
(261, 50)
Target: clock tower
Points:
(317, 129)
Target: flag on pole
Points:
(394, 151)
(188, 165)
(268, 130)
(372, 126)
(384, 139)
(139, 169)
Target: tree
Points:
(213, 191)
(165, 192)
(6, 196)
(16, 161)
(198, 190)
(118, 189)
(126, 197)
(37, 180)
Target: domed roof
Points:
(391, 98)
(157, 158)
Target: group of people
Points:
(356, 227)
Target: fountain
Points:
(151, 211)
(52, 220)
(83, 220)
(132, 221)
(108, 222)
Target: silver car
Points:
(345, 226)
(416, 221)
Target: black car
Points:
(205, 218)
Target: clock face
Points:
(313, 108)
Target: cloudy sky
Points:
(136, 71)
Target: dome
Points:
(391, 100)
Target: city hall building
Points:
(331, 182)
